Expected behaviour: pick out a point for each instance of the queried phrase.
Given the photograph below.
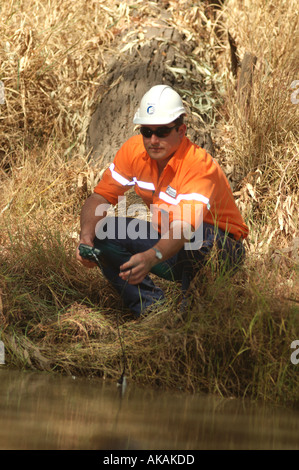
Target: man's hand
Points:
(89, 220)
(85, 262)
(138, 266)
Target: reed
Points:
(235, 337)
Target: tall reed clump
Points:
(263, 133)
(234, 339)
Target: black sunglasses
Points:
(159, 132)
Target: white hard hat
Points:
(160, 105)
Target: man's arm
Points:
(88, 222)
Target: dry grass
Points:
(56, 316)
(262, 143)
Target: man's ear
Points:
(182, 130)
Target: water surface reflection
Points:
(42, 411)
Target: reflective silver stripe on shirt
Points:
(120, 179)
(187, 197)
(150, 186)
(144, 184)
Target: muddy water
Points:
(42, 411)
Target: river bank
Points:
(234, 339)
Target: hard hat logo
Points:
(160, 105)
(151, 109)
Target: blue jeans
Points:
(181, 267)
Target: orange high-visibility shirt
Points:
(191, 178)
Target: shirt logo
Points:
(170, 191)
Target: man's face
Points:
(162, 149)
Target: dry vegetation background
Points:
(54, 316)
